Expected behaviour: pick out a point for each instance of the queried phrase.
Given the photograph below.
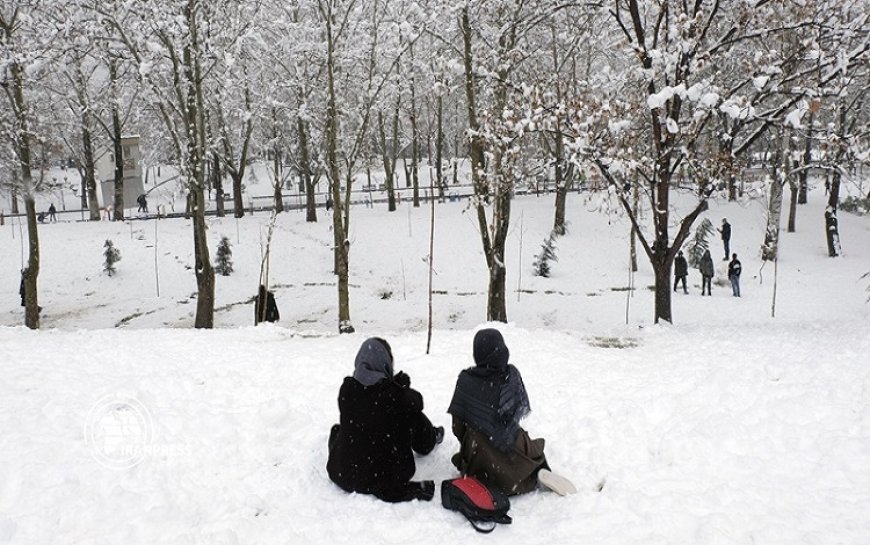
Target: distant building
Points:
(133, 186)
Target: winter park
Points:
(332, 271)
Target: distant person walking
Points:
(681, 271)
(734, 270)
(328, 203)
(52, 211)
(707, 272)
(143, 203)
(726, 238)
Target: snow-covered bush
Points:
(695, 248)
(548, 253)
(224, 259)
(112, 255)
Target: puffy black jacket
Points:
(380, 428)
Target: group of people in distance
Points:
(382, 424)
(708, 270)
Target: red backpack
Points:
(481, 505)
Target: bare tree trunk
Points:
(558, 153)
(832, 224)
(14, 196)
(218, 184)
(197, 159)
(31, 273)
(774, 209)
(341, 244)
(732, 179)
(238, 205)
(117, 150)
(414, 135)
(562, 186)
(496, 307)
(277, 173)
(635, 202)
(478, 175)
(808, 159)
(389, 164)
(305, 172)
(84, 187)
(21, 142)
(439, 145)
(793, 191)
(662, 271)
(277, 182)
(89, 179)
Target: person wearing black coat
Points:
(488, 403)
(381, 426)
(707, 271)
(681, 271)
(265, 307)
(726, 237)
(22, 290)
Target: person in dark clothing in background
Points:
(265, 308)
(52, 213)
(734, 270)
(22, 290)
(143, 203)
(381, 426)
(681, 271)
(488, 403)
(707, 271)
(726, 237)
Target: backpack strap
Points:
(481, 526)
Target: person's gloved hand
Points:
(402, 379)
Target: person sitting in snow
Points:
(488, 403)
(381, 425)
(265, 307)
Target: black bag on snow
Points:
(481, 505)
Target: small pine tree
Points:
(698, 245)
(224, 264)
(112, 255)
(548, 253)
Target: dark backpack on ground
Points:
(481, 505)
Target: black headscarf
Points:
(374, 362)
(491, 397)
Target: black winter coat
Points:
(270, 313)
(380, 427)
(681, 267)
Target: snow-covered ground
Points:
(121, 424)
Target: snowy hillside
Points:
(121, 424)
